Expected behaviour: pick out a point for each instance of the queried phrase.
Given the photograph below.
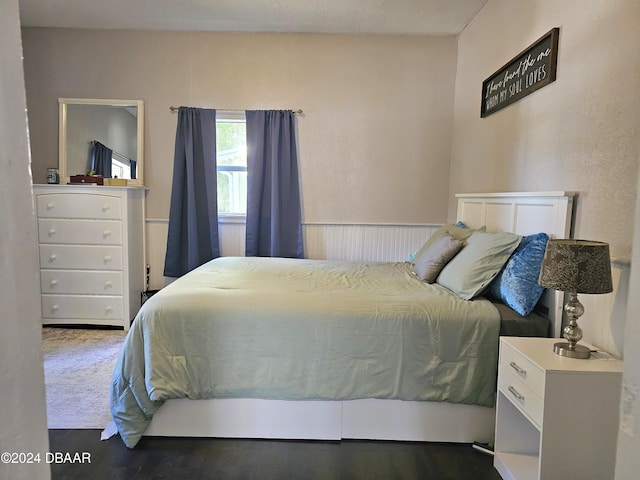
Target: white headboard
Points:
(524, 213)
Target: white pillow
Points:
(478, 263)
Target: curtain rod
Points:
(173, 109)
(117, 154)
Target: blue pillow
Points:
(517, 284)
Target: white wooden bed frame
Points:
(522, 213)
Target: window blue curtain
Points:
(193, 214)
(274, 218)
(101, 159)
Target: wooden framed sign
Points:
(532, 69)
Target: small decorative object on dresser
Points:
(556, 417)
(86, 179)
(576, 266)
(91, 253)
(53, 175)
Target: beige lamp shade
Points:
(580, 266)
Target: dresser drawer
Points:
(82, 232)
(80, 257)
(81, 282)
(78, 205)
(520, 394)
(523, 368)
(81, 307)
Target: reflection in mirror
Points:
(104, 137)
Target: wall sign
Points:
(532, 69)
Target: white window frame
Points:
(239, 117)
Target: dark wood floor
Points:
(202, 458)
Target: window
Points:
(120, 169)
(231, 148)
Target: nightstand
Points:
(556, 417)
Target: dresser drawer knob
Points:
(108, 284)
(106, 234)
(52, 232)
(53, 257)
(519, 370)
(516, 394)
(54, 308)
(107, 259)
(50, 206)
(108, 310)
(105, 207)
(53, 283)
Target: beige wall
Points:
(580, 133)
(23, 423)
(375, 137)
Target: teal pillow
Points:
(471, 270)
(517, 284)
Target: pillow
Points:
(478, 263)
(456, 232)
(517, 284)
(429, 264)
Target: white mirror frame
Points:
(62, 132)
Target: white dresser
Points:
(556, 417)
(92, 266)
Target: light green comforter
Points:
(289, 329)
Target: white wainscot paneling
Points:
(330, 241)
(364, 242)
(604, 316)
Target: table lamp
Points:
(575, 266)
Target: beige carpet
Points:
(78, 363)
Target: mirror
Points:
(84, 123)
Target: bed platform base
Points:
(369, 419)
(522, 213)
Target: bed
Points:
(341, 349)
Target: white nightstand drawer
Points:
(80, 205)
(80, 232)
(81, 307)
(520, 366)
(520, 394)
(81, 282)
(80, 257)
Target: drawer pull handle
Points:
(52, 258)
(54, 308)
(50, 206)
(108, 310)
(107, 259)
(105, 207)
(108, 284)
(516, 393)
(519, 370)
(106, 233)
(52, 232)
(53, 283)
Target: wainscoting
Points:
(330, 241)
(604, 316)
